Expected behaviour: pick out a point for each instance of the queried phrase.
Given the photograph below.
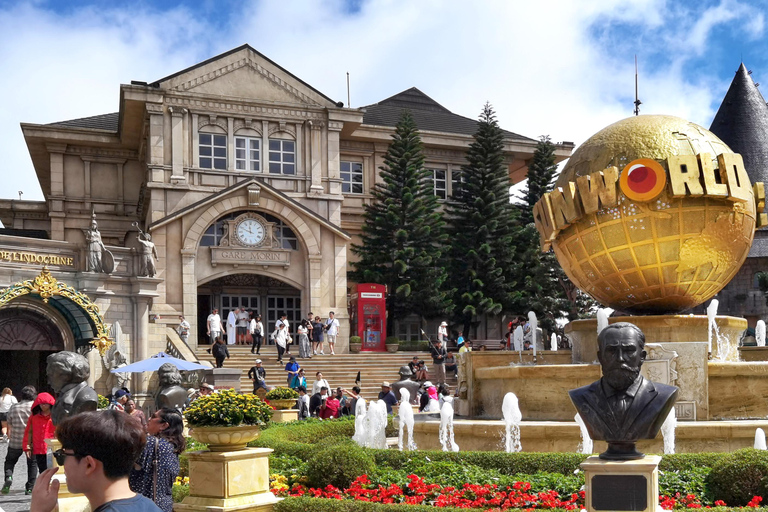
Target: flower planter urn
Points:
(283, 404)
(393, 347)
(355, 348)
(225, 439)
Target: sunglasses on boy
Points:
(60, 455)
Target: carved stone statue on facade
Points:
(147, 256)
(115, 358)
(95, 248)
(170, 394)
(67, 374)
(623, 406)
(405, 382)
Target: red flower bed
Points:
(418, 492)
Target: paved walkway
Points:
(16, 501)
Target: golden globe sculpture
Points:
(652, 214)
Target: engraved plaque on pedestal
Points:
(619, 492)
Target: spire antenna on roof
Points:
(637, 99)
(349, 102)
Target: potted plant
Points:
(227, 421)
(393, 343)
(355, 344)
(282, 398)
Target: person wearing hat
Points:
(206, 389)
(387, 396)
(428, 402)
(438, 361)
(119, 399)
(442, 332)
(258, 375)
(292, 368)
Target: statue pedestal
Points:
(619, 486)
(68, 502)
(223, 378)
(228, 481)
(285, 415)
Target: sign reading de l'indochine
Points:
(36, 258)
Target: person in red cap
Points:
(39, 428)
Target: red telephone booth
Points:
(371, 316)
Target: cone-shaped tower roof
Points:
(742, 123)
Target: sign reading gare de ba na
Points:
(652, 214)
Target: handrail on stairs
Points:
(177, 347)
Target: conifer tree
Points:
(543, 285)
(541, 177)
(481, 228)
(403, 232)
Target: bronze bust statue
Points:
(170, 394)
(67, 373)
(406, 382)
(623, 406)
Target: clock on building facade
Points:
(250, 239)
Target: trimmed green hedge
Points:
(739, 476)
(505, 463)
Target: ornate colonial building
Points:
(251, 184)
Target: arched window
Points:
(248, 150)
(282, 153)
(212, 148)
(215, 232)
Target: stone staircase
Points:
(338, 370)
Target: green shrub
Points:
(329, 505)
(355, 339)
(392, 340)
(179, 492)
(685, 461)
(684, 481)
(506, 463)
(338, 466)
(739, 476)
(415, 346)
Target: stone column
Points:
(56, 199)
(87, 182)
(141, 340)
(265, 147)
(177, 144)
(334, 157)
(120, 188)
(316, 156)
(155, 153)
(230, 144)
(195, 141)
(189, 293)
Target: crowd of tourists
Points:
(154, 444)
(245, 327)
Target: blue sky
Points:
(562, 68)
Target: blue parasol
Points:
(156, 361)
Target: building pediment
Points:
(250, 193)
(247, 74)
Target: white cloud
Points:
(560, 68)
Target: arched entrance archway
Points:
(27, 338)
(261, 294)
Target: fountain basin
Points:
(738, 390)
(658, 329)
(565, 436)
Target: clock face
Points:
(250, 232)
